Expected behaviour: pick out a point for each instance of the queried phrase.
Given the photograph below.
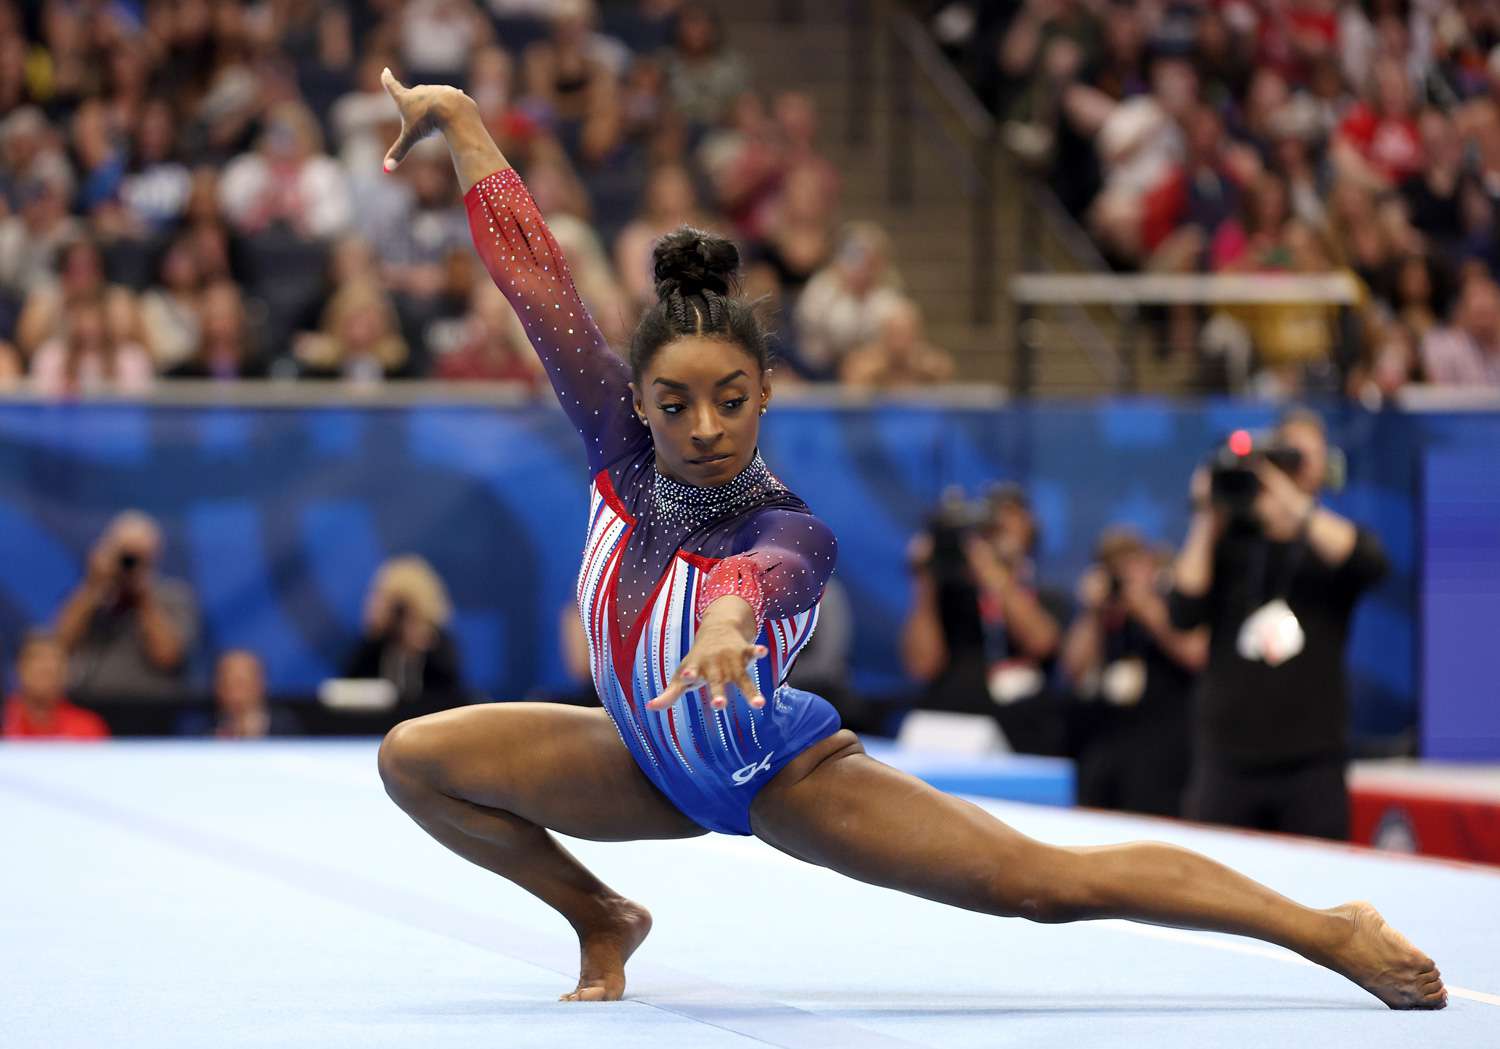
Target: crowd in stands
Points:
(193, 188)
(1235, 136)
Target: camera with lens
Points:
(1233, 482)
(956, 519)
(129, 561)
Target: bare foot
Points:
(604, 949)
(1384, 962)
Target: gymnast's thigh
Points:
(561, 767)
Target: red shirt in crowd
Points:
(67, 722)
(1392, 145)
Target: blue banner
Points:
(278, 516)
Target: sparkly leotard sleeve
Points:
(657, 552)
(523, 259)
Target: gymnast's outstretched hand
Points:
(426, 108)
(720, 656)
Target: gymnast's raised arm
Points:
(525, 262)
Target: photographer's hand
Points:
(1294, 512)
(1031, 626)
(1193, 571)
(1281, 506)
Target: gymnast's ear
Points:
(636, 404)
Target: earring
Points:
(763, 409)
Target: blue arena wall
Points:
(279, 515)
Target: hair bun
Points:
(691, 261)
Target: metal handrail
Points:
(910, 50)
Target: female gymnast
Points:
(700, 583)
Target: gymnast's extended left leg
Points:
(837, 807)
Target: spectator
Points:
(416, 241)
(1467, 353)
(1378, 141)
(224, 349)
(129, 634)
(981, 635)
(799, 233)
(406, 640)
(436, 38)
(797, 128)
(170, 311)
(1275, 582)
(670, 202)
(1134, 671)
(488, 343)
(705, 77)
(77, 277)
(240, 707)
(156, 186)
(742, 159)
(33, 237)
(572, 80)
(844, 305)
(87, 358)
(39, 709)
(286, 181)
(900, 356)
(359, 339)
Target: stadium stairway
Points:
(932, 235)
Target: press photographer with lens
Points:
(1275, 576)
(1132, 672)
(982, 635)
(129, 632)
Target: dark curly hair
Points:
(696, 275)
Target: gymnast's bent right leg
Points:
(489, 781)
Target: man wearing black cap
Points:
(981, 636)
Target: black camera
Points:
(951, 526)
(129, 561)
(1233, 483)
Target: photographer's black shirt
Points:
(1252, 714)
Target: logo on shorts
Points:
(749, 772)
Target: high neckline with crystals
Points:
(696, 504)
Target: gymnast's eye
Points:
(733, 405)
(671, 409)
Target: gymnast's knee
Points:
(408, 760)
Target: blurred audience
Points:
(203, 167)
(130, 634)
(39, 709)
(406, 640)
(1310, 137)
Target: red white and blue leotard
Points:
(658, 551)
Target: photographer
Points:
(1134, 670)
(129, 634)
(980, 635)
(406, 639)
(1275, 577)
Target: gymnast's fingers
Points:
(717, 690)
(685, 679)
(747, 688)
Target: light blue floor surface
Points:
(214, 896)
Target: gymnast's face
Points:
(702, 399)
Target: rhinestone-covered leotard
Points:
(656, 549)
